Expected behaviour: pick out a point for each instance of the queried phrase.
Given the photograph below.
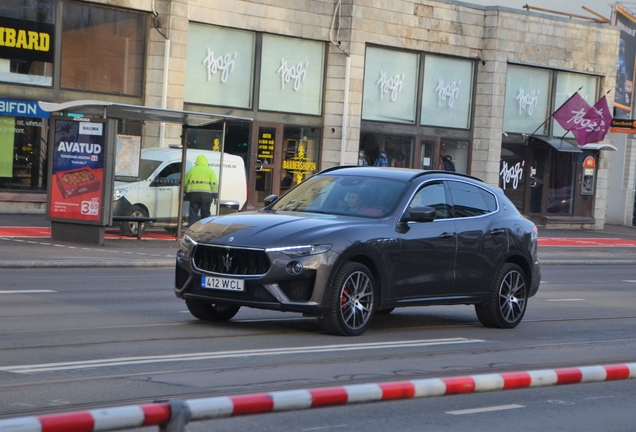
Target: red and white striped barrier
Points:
(157, 414)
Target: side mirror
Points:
(419, 214)
(270, 199)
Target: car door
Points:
(427, 258)
(482, 238)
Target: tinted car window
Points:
(432, 195)
(469, 200)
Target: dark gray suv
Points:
(350, 242)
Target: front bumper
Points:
(276, 289)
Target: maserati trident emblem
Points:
(227, 261)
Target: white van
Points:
(155, 192)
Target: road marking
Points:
(27, 291)
(563, 300)
(485, 409)
(599, 397)
(120, 361)
(630, 281)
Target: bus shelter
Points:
(81, 163)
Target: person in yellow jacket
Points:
(201, 187)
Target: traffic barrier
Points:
(173, 415)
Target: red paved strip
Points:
(578, 242)
(569, 376)
(328, 396)
(156, 414)
(516, 380)
(459, 385)
(252, 404)
(397, 390)
(73, 422)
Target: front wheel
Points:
(508, 299)
(212, 312)
(129, 228)
(352, 301)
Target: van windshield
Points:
(146, 167)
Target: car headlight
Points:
(301, 251)
(188, 243)
(119, 193)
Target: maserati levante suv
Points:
(351, 242)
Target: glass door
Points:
(265, 149)
(428, 153)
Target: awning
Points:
(558, 143)
(599, 147)
(138, 112)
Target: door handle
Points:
(497, 231)
(446, 235)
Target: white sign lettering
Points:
(225, 64)
(527, 101)
(514, 174)
(393, 84)
(450, 91)
(296, 73)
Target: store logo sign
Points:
(296, 73)
(223, 64)
(527, 101)
(392, 85)
(20, 108)
(450, 91)
(90, 129)
(512, 174)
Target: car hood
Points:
(271, 229)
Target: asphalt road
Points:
(86, 338)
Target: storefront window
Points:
(567, 84)
(219, 66)
(562, 182)
(300, 155)
(454, 156)
(118, 37)
(22, 149)
(447, 91)
(390, 86)
(387, 150)
(512, 177)
(292, 75)
(527, 100)
(26, 41)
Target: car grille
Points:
(230, 261)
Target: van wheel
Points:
(212, 312)
(130, 228)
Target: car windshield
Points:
(146, 167)
(347, 195)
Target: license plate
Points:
(220, 283)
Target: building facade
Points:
(426, 84)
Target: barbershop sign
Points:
(26, 40)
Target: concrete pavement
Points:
(25, 243)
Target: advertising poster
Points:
(77, 173)
(626, 22)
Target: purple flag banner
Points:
(595, 123)
(571, 113)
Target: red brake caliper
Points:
(343, 298)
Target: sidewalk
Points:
(615, 245)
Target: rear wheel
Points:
(508, 300)
(130, 228)
(352, 301)
(212, 312)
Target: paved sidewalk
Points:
(615, 245)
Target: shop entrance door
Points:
(428, 153)
(536, 197)
(266, 153)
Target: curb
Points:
(177, 413)
(85, 264)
